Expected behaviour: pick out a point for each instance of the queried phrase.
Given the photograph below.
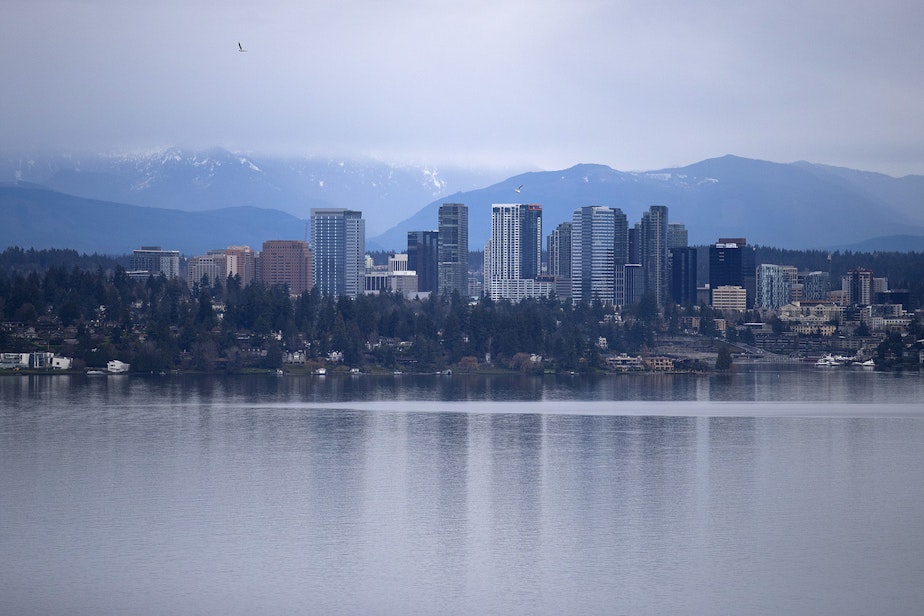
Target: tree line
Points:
(159, 324)
(92, 310)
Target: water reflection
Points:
(509, 495)
(742, 385)
(515, 459)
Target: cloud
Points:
(538, 83)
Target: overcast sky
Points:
(522, 84)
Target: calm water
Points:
(795, 492)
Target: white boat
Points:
(828, 361)
(117, 367)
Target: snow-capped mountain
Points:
(217, 178)
(794, 205)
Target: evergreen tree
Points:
(724, 359)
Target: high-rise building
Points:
(593, 265)
(559, 251)
(634, 254)
(423, 258)
(880, 285)
(219, 264)
(731, 263)
(858, 285)
(209, 268)
(795, 282)
(676, 235)
(486, 268)
(531, 241)
(774, 286)
(242, 263)
(633, 279)
(653, 251)
(516, 252)
(152, 261)
(452, 269)
(816, 285)
(286, 262)
(683, 275)
(621, 251)
(506, 254)
(677, 238)
(339, 239)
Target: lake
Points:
(767, 491)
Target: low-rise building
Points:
(659, 363)
(624, 363)
(399, 281)
(42, 360)
(729, 297)
(10, 361)
(818, 329)
(811, 313)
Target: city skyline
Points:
(605, 260)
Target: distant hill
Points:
(796, 205)
(892, 243)
(212, 179)
(38, 218)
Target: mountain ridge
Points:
(41, 218)
(174, 178)
(788, 205)
(782, 204)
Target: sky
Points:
(532, 84)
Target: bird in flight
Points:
(240, 48)
(519, 188)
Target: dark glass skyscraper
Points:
(452, 270)
(731, 263)
(620, 237)
(653, 251)
(423, 258)
(683, 275)
(559, 248)
(531, 241)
